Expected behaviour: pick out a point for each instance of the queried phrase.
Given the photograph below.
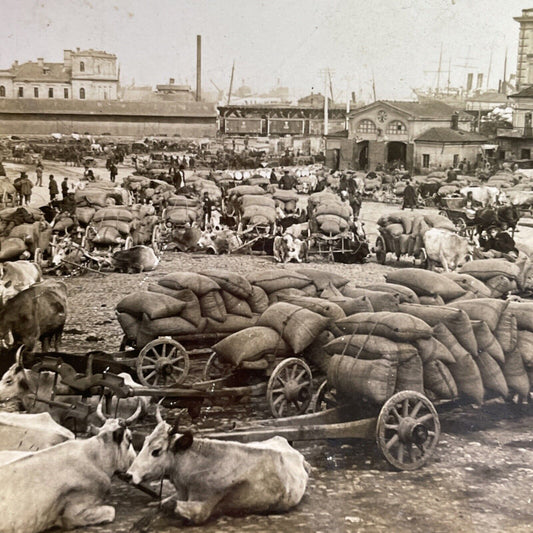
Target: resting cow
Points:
(445, 247)
(216, 477)
(64, 485)
(286, 248)
(136, 259)
(16, 276)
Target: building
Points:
(524, 63)
(385, 133)
(83, 75)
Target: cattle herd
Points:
(462, 332)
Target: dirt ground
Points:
(479, 480)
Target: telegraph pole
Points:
(231, 82)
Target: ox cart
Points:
(386, 244)
(347, 247)
(463, 219)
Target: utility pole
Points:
(438, 72)
(490, 65)
(326, 110)
(374, 87)
(231, 82)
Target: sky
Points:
(395, 42)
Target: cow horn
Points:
(18, 356)
(133, 418)
(99, 412)
(158, 416)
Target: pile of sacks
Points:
(183, 210)
(113, 224)
(202, 186)
(153, 190)
(22, 229)
(100, 194)
(328, 214)
(403, 231)
(257, 209)
(286, 200)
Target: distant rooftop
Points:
(449, 135)
(41, 71)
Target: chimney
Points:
(15, 64)
(198, 68)
(67, 58)
(40, 61)
(479, 80)
(171, 81)
(77, 49)
(455, 121)
(469, 81)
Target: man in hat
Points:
(39, 173)
(409, 196)
(52, 187)
(287, 181)
(499, 241)
(64, 187)
(208, 207)
(25, 188)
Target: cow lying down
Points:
(64, 485)
(217, 477)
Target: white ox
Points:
(64, 485)
(484, 194)
(30, 432)
(287, 248)
(16, 276)
(445, 247)
(216, 477)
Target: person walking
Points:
(113, 171)
(39, 173)
(26, 187)
(64, 187)
(208, 208)
(409, 196)
(53, 189)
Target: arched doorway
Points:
(363, 155)
(396, 153)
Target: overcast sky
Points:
(395, 41)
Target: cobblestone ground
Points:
(478, 481)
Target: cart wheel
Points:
(162, 362)
(129, 242)
(290, 388)
(215, 368)
(326, 398)
(423, 258)
(381, 250)
(156, 239)
(38, 257)
(407, 430)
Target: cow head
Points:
(159, 452)
(15, 384)
(117, 440)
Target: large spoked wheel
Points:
(381, 251)
(162, 363)
(216, 368)
(408, 430)
(326, 398)
(290, 388)
(156, 239)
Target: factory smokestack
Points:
(198, 68)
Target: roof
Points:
(418, 110)
(524, 93)
(449, 135)
(495, 97)
(47, 72)
(107, 107)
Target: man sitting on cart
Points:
(498, 243)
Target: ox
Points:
(67, 482)
(16, 276)
(286, 248)
(135, 259)
(219, 241)
(37, 313)
(485, 195)
(30, 432)
(215, 477)
(445, 247)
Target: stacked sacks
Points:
(144, 220)
(113, 225)
(328, 214)
(100, 194)
(211, 188)
(286, 200)
(257, 209)
(182, 210)
(500, 275)
(154, 190)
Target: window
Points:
(21, 92)
(65, 93)
(36, 92)
(525, 153)
(455, 160)
(425, 160)
(50, 92)
(2, 91)
(396, 128)
(82, 66)
(82, 94)
(366, 126)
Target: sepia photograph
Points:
(266, 266)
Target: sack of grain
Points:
(332, 223)
(249, 199)
(456, 320)
(235, 306)
(231, 282)
(399, 327)
(113, 213)
(339, 209)
(439, 380)
(431, 300)
(487, 309)
(11, 248)
(298, 326)
(380, 300)
(515, 374)
(331, 291)
(370, 347)
(506, 331)
(525, 348)
(420, 227)
(431, 349)
(410, 375)
(315, 353)
(85, 214)
(426, 283)
(284, 294)
(169, 326)
(321, 278)
(351, 306)
(63, 224)
(149, 303)
(253, 211)
(323, 307)
(500, 285)
(276, 279)
(394, 230)
(123, 228)
(251, 344)
(310, 290)
(192, 311)
(285, 195)
(198, 283)
(469, 283)
(258, 300)
(487, 342)
(356, 379)
(405, 294)
(212, 306)
(439, 221)
(108, 235)
(129, 324)
(232, 324)
(524, 314)
(491, 374)
(485, 269)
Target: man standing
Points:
(64, 187)
(52, 187)
(409, 196)
(39, 172)
(208, 207)
(25, 189)
(113, 171)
